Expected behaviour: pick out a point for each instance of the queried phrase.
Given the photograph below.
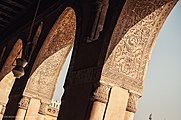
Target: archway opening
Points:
(49, 63)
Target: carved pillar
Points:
(101, 96)
(42, 111)
(131, 106)
(23, 106)
(2, 110)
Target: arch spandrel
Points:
(132, 41)
(51, 57)
(61, 35)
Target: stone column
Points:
(42, 111)
(117, 104)
(131, 106)
(23, 106)
(101, 96)
(2, 110)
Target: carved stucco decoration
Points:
(51, 57)
(102, 93)
(16, 52)
(132, 102)
(24, 102)
(43, 108)
(132, 41)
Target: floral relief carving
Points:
(132, 41)
(102, 93)
(24, 102)
(43, 108)
(132, 102)
(51, 57)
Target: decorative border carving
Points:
(51, 57)
(132, 41)
(43, 108)
(24, 102)
(102, 93)
(132, 102)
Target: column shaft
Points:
(129, 115)
(101, 96)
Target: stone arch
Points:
(130, 48)
(51, 57)
(6, 76)
(132, 41)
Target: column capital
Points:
(24, 102)
(43, 108)
(132, 102)
(3, 109)
(102, 93)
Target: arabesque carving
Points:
(51, 57)
(132, 102)
(132, 41)
(43, 108)
(24, 102)
(102, 93)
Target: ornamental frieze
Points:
(132, 41)
(51, 57)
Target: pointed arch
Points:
(132, 42)
(51, 57)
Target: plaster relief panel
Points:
(132, 41)
(51, 57)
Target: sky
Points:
(162, 87)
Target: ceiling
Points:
(15, 13)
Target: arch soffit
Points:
(51, 57)
(132, 41)
(16, 52)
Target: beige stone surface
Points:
(5, 87)
(32, 112)
(129, 115)
(1, 116)
(98, 110)
(20, 114)
(41, 117)
(117, 104)
(49, 117)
